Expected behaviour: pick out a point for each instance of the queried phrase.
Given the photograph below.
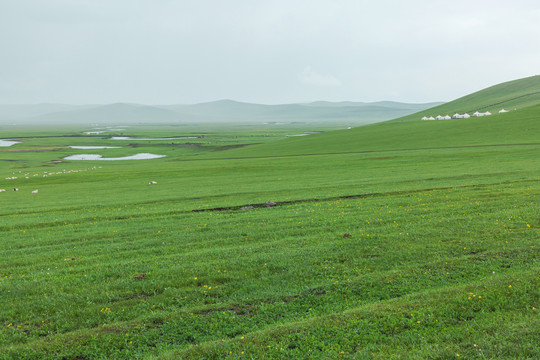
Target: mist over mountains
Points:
(222, 111)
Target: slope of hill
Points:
(511, 95)
(518, 126)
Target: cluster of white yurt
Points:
(478, 114)
(461, 116)
(438, 117)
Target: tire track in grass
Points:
(412, 311)
(360, 196)
(239, 207)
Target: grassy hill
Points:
(401, 240)
(517, 127)
(520, 126)
(511, 95)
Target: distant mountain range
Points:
(217, 111)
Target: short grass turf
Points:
(420, 274)
(380, 252)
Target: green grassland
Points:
(405, 239)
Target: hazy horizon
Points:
(264, 52)
(217, 101)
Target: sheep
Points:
(34, 191)
(152, 183)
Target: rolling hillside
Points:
(519, 126)
(511, 95)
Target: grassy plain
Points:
(398, 240)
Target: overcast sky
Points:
(263, 51)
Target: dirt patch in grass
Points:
(238, 310)
(377, 158)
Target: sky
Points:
(262, 51)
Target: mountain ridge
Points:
(220, 111)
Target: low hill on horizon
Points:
(120, 113)
(222, 111)
(11, 112)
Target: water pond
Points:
(5, 143)
(141, 156)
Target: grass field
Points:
(406, 240)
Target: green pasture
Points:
(447, 268)
(403, 240)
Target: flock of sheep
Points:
(17, 189)
(45, 174)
